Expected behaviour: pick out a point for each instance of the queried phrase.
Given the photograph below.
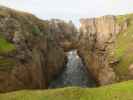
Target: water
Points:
(74, 74)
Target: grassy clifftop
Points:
(119, 91)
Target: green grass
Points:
(124, 41)
(119, 91)
(124, 48)
(6, 63)
(5, 46)
(121, 18)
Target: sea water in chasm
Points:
(74, 74)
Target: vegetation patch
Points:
(119, 91)
(36, 31)
(122, 18)
(124, 48)
(5, 46)
(6, 64)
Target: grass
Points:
(119, 91)
(5, 46)
(121, 18)
(123, 48)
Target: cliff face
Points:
(33, 51)
(30, 50)
(98, 46)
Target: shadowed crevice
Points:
(74, 74)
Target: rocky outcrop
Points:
(97, 43)
(67, 37)
(32, 50)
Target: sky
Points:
(71, 9)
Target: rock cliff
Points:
(101, 42)
(31, 54)
(33, 51)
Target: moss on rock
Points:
(123, 50)
(6, 64)
(5, 46)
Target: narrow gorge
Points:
(74, 74)
(42, 54)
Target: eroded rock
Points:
(38, 54)
(97, 39)
(33, 51)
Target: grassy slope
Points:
(124, 47)
(119, 91)
(5, 48)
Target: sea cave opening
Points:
(74, 74)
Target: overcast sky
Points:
(71, 9)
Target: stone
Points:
(131, 69)
(96, 42)
(38, 57)
(36, 51)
